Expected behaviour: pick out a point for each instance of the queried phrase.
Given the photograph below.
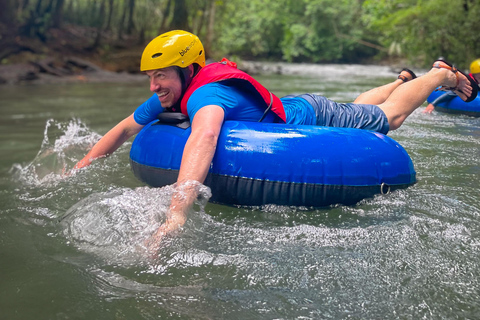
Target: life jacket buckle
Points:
(228, 63)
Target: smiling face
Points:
(166, 83)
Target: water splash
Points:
(62, 146)
(115, 225)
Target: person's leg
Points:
(380, 94)
(406, 98)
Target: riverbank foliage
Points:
(324, 31)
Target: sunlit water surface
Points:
(73, 247)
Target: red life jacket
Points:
(471, 75)
(228, 70)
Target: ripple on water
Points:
(115, 224)
(410, 253)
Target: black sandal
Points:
(405, 79)
(454, 69)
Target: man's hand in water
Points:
(182, 200)
(152, 244)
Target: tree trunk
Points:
(122, 23)
(48, 9)
(57, 18)
(7, 17)
(131, 9)
(108, 26)
(98, 37)
(71, 14)
(33, 26)
(166, 14)
(210, 29)
(38, 7)
(180, 16)
(198, 23)
(141, 36)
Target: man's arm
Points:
(111, 141)
(446, 97)
(196, 160)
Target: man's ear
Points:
(191, 71)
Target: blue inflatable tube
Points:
(456, 105)
(259, 163)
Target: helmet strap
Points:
(185, 79)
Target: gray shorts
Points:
(347, 115)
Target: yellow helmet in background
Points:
(174, 48)
(475, 66)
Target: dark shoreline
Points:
(69, 70)
(76, 70)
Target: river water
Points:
(72, 247)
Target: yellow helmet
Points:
(173, 48)
(475, 66)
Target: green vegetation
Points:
(289, 30)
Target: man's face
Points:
(166, 84)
